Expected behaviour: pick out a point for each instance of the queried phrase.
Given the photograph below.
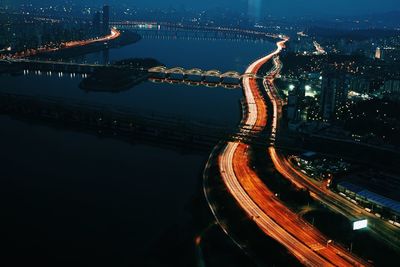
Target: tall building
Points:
(293, 112)
(360, 85)
(334, 93)
(378, 53)
(254, 11)
(392, 86)
(97, 23)
(391, 54)
(106, 19)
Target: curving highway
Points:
(306, 243)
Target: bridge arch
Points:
(195, 71)
(231, 74)
(177, 70)
(215, 73)
(158, 69)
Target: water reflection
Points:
(55, 74)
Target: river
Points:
(69, 196)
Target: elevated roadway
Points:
(306, 243)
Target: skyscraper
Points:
(254, 10)
(334, 93)
(106, 19)
(378, 53)
(97, 23)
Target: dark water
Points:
(68, 197)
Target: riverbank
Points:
(125, 38)
(120, 76)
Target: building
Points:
(254, 11)
(334, 93)
(106, 19)
(391, 54)
(96, 24)
(360, 85)
(378, 53)
(370, 200)
(293, 112)
(392, 86)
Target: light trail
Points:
(32, 52)
(381, 229)
(308, 245)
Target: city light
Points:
(295, 111)
(362, 224)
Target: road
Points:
(305, 242)
(45, 49)
(319, 191)
(318, 49)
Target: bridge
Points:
(159, 74)
(230, 86)
(211, 77)
(196, 30)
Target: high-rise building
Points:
(378, 53)
(334, 94)
(254, 10)
(391, 54)
(293, 112)
(106, 19)
(360, 85)
(392, 86)
(97, 23)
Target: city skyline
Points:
(296, 8)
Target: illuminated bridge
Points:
(198, 76)
(195, 31)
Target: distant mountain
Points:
(391, 19)
(359, 34)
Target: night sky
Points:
(277, 7)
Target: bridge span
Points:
(212, 31)
(159, 74)
(230, 86)
(199, 75)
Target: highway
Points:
(45, 49)
(113, 35)
(318, 49)
(320, 191)
(305, 242)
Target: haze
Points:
(281, 8)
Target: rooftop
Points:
(371, 196)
